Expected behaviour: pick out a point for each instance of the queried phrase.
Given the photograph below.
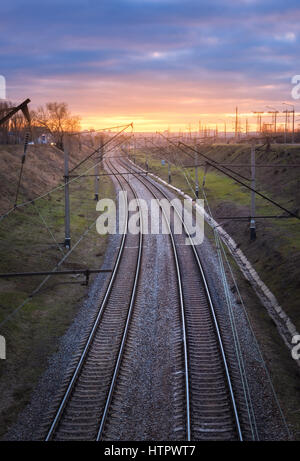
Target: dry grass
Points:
(32, 334)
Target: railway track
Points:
(83, 406)
(214, 413)
(205, 400)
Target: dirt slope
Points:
(43, 169)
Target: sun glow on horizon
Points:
(216, 121)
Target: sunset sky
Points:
(158, 63)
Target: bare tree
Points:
(56, 118)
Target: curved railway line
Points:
(210, 402)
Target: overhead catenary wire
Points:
(237, 344)
(245, 385)
(38, 288)
(256, 342)
(220, 244)
(99, 130)
(241, 366)
(101, 147)
(237, 180)
(205, 156)
(212, 312)
(61, 186)
(91, 159)
(59, 246)
(22, 166)
(176, 166)
(250, 188)
(45, 280)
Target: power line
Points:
(22, 165)
(55, 188)
(78, 133)
(229, 169)
(37, 289)
(237, 180)
(101, 147)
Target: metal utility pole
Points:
(97, 171)
(236, 123)
(252, 213)
(146, 153)
(293, 137)
(259, 120)
(274, 113)
(196, 175)
(97, 182)
(287, 112)
(168, 149)
(134, 148)
(13, 110)
(67, 243)
(285, 125)
(190, 132)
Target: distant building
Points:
(43, 139)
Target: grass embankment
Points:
(33, 333)
(275, 254)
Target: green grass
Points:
(32, 334)
(275, 256)
(276, 252)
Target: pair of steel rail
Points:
(96, 324)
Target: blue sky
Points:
(164, 62)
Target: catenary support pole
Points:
(97, 171)
(96, 182)
(147, 164)
(67, 243)
(252, 214)
(293, 128)
(196, 175)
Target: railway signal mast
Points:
(236, 128)
(66, 143)
(13, 110)
(274, 113)
(252, 219)
(259, 120)
(97, 172)
(287, 113)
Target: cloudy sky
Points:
(158, 63)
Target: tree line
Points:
(52, 120)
